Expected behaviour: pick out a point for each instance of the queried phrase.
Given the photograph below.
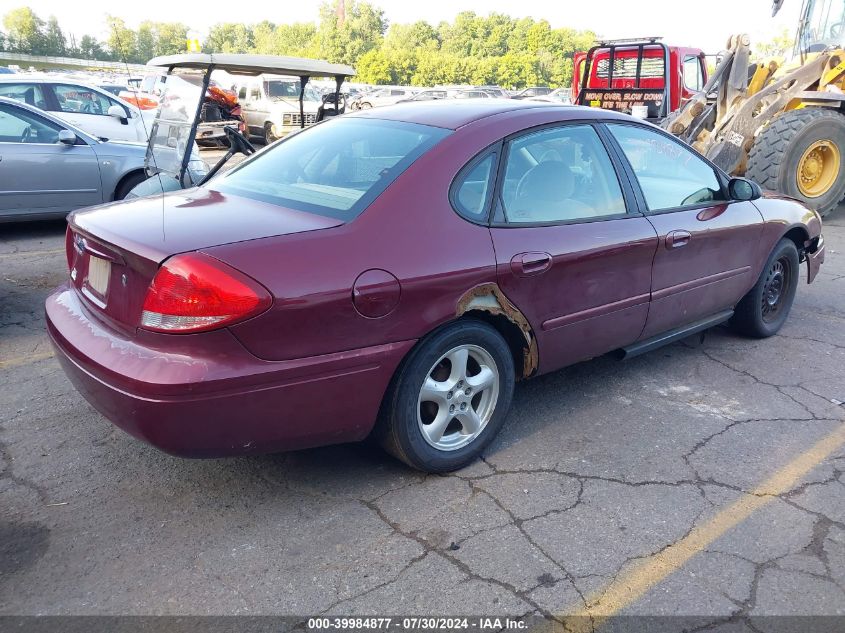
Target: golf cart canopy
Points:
(241, 64)
(172, 139)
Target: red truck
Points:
(620, 74)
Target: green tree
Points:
(122, 41)
(457, 38)
(345, 38)
(54, 40)
(90, 48)
(408, 37)
(296, 39)
(264, 38)
(145, 40)
(475, 49)
(374, 67)
(171, 38)
(24, 31)
(229, 37)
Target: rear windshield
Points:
(626, 67)
(335, 168)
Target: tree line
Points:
(474, 49)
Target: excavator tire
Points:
(802, 154)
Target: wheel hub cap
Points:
(773, 290)
(818, 168)
(458, 397)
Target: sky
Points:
(678, 23)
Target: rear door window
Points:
(336, 168)
(561, 174)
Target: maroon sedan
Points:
(396, 271)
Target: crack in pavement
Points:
(459, 564)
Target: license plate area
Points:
(99, 273)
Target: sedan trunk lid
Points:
(115, 250)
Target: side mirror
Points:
(116, 111)
(743, 189)
(67, 137)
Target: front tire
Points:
(800, 154)
(449, 399)
(269, 137)
(763, 311)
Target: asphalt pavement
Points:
(704, 479)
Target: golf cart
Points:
(172, 161)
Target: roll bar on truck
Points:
(624, 73)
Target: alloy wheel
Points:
(458, 397)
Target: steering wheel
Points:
(238, 142)
(836, 30)
(27, 134)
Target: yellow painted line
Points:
(33, 253)
(635, 581)
(25, 360)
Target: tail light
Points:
(195, 292)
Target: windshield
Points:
(289, 89)
(823, 26)
(171, 128)
(336, 168)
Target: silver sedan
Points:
(49, 168)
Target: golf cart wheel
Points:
(763, 311)
(449, 398)
(269, 137)
(800, 154)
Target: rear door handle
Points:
(526, 264)
(676, 239)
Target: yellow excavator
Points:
(779, 124)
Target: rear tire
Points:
(779, 151)
(763, 311)
(449, 398)
(128, 184)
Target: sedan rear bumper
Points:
(815, 260)
(204, 395)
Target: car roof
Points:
(48, 79)
(243, 64)
(455, 113)
(49, 117)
